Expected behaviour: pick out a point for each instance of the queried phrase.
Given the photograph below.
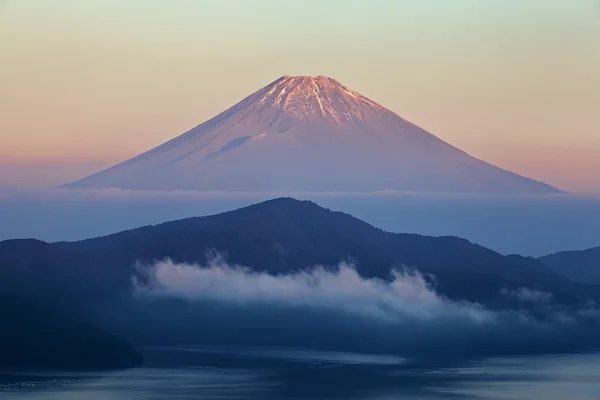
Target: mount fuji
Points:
(310, 134)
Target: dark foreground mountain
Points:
(310, 134)
(278, 236)
(580, 266)
(91, 280)
(33, 337)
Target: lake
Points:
(226, 373)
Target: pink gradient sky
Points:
(86, 84)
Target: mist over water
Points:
(336, 309)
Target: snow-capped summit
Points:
(320, 98)
(303, 133)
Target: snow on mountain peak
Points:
(313, 98)
(309, 133)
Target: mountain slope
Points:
(580, 266)
(34, 337)
(277, 236)
(309, 134)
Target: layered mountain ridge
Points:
(310, 134)
(579, 265)
(94, 281)
(278, 236)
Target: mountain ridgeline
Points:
(91, 280)
(277, 236)
(283, 138)
(580, 266)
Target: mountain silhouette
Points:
(35, 337)
(580, 266)
(277, 236)
(309, 134)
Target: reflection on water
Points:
(201, 373)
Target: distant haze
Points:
(529, 225)
(508, 81)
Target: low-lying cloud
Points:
(527, 295)
(408, 296)
(337, 309)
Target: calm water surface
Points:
(202, 373)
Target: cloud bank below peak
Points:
(336, 309)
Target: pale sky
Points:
(90, 82)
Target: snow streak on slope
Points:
(309, 134)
